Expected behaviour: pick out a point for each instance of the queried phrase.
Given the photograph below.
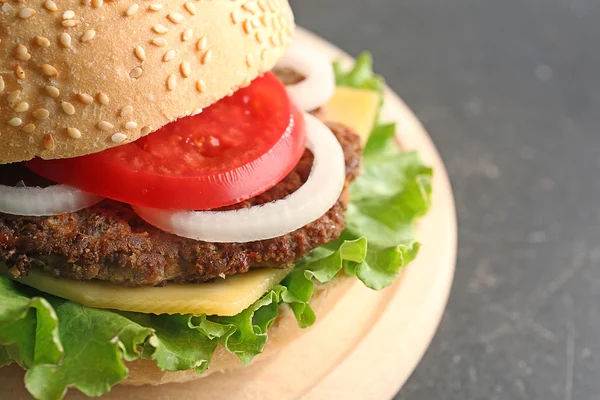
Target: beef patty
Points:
(110, 242)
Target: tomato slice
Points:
(234, 150)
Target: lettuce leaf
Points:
(360, 76)
(56, 340)
(29, 327)
(96, 345)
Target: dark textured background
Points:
(510, 92)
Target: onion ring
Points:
(320, 192)
(41, 202)
(319, 83)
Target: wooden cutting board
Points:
(369, 344)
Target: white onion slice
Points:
(40, 202)
(319, 85)
(321, 191)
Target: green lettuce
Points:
(55, 339)
(360, 76)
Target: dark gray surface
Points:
(510, 92)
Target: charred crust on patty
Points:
(109, 242)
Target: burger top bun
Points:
(81, 76)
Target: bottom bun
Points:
(284, 331)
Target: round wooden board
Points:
(367, 357)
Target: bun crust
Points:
(81, 76)
(284, 331)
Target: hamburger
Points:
(181, 184)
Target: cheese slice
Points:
(224, 297)
(356, 108)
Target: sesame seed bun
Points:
(81, 76)
(284, 331)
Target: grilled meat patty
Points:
(110, 242)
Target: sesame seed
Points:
(23, 53)
(187, 35)
(2, 85)
(169, 55)
(67, 107)
(15, 122)
(255, 23)
(160, 29)
(13, 96)
(190, 7)
(50, 5)
(41, 114)
(250, 6)
(246, 82)
(202, 43)
(155, 7)
(69, 14)
(283, 22)
(132, 10)
(97, 3)
(273, 39)
(19, 72)
(49, 142)
(247, 26)
(126, 111)
(197, 111)
(264, 54)
(22, 107)
(29, 128)
(249, 60)
(140, 53)
(131, 125)
(74, 133)
(69, 23)
(201, 86)
(171, 83)
(136, 73)
(159, 42)
(85, 98)
(185, 69)
(25, 13)
(103, 99)
(42, 41)
(276, 24)
(118, 137)
(88, 35)
(206, 57)
(235, 17)
(105, 126)
(175, 18)
(65, 40)
(263, 5)
(263, 20)
(146, 130)
(52, 91)
(260, 37)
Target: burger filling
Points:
(238, 209)
(110, 242)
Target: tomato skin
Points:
(234, 150)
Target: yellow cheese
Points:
(356, 108)
(224, 297)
